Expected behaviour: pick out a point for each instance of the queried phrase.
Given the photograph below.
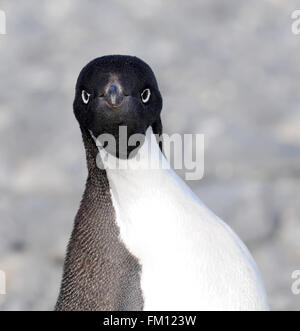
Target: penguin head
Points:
(118, 91)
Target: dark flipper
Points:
(99, 272)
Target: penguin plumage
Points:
(142, 239)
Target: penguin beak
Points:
(114, 96)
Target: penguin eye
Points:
(145, 95)
(85, 96)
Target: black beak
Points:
(114, 96)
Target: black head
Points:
(114, 91)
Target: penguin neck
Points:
(96, 195)
(95, 175)
(148, 158)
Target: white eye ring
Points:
(145, 95)
(85, 96)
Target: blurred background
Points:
(228, 69)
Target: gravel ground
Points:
(228, 69)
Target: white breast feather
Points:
(191, 260)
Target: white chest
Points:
(190, 259)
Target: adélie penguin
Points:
(142, 240)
